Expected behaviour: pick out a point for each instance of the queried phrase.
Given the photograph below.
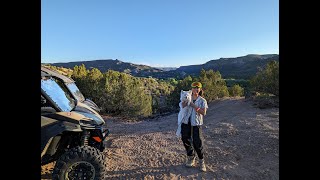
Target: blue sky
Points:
(161, 33)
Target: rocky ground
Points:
(240, 141)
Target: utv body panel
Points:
(50, 129)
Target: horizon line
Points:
(160, 66)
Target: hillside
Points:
(117, 65)
(240, 141)
(239, 67)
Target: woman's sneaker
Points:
(202, 165)
(190, 161)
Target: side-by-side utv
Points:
(72, 134)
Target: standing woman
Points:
(192, 127)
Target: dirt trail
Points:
(240, 141)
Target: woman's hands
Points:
(192, 104)
(184, 104)
(197, 109)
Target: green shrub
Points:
(267, 80)
(236, 90)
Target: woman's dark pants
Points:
(191, 137)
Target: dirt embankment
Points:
(240, 141)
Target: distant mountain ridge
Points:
(167, 68)
(239, 67)
(117, 65)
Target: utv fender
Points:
(51, 128)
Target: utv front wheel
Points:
(83, 162)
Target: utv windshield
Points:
(75, 91)
(59, 96)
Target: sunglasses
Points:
(196, 85)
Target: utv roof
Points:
(43, 74)
(56, 74)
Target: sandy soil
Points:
(241, 142)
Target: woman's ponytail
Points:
(201, 93)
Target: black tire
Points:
(84, 162)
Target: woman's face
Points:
(196, 90)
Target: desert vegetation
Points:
(120, 93)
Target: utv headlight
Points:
(88, 122)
